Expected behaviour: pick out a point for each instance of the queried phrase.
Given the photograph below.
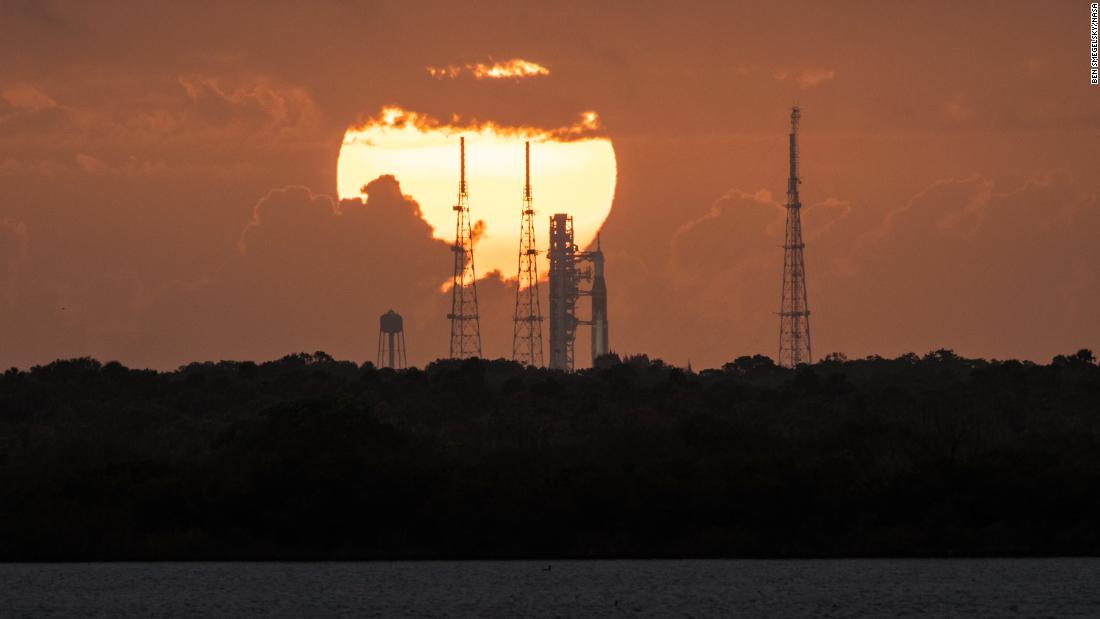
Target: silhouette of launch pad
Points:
(570, 268)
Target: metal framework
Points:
(794, 311)
(527, 321)
(565, 289)
(465, 324)
(563, 292)
(391, 341)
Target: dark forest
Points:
(309, 457)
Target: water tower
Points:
(391, 341)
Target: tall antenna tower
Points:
(527, 329)
(794, 311)
(465, 326)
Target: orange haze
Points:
(172, 186)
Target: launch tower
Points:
(794, 311)
(527, 322)
(465, 325)
(568, 268)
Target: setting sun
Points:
(572, 171)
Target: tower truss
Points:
(465, 325)
(527, 322)
(794, 311)
(563, 292)
(568, 269)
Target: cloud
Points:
(477, 231)
(395, 117)
(496, 298)
(286, 209)
(257, 101)
(739, 227)
(809, 78)
(964, 263)
(216, 146)
(819, 218)
(947, 206)
(515, 69)
(23, 96)
(34, 12)
(190, 127)
(723, 273)
(315, 273)
(805, 78)
(983, 265)
(742, 228)
(726, 265)
(27, 113)
(91, 164)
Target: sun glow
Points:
(515, 68)
(573, 171)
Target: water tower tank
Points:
(391, 322)
(391, 341)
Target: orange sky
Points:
(168, 173)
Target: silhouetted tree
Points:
(311, 457)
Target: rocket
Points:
(599, 305)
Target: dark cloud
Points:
(739, 227)
(311, 273)
(36, 13)
(726, 268)
(477, 230)
(990, 269)
(256, 102)
(964, 263)
(316, 273)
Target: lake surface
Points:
(719, 588)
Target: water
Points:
(735, 588)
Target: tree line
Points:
(309, 457)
